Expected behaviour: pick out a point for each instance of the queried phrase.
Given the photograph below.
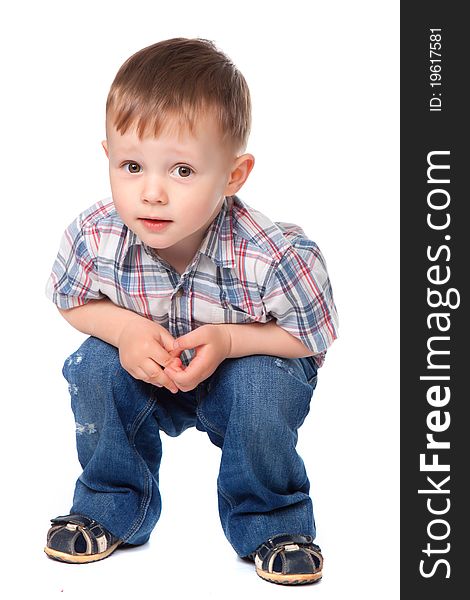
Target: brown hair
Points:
(183, 78)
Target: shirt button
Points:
(179, 293)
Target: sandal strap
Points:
(75, 519)
(66, 529)
(280, 540)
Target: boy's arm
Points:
(143, 345)
(101, 319)
(215, 343)
(264, 338)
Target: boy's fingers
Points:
(175, 363)
(150, 368)
(155, 375)
(193, 339)
(139, 373)
(168, 383)
(166, 340)
(176, 352)
(173, 357)
(159, 354)
(191, 374)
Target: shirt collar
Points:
(217, 244)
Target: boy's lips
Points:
(154, 224)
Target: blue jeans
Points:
(250, 407)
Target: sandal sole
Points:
(79, 558)
(298, 579)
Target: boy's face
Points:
(169, 189)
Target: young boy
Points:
(200, 311)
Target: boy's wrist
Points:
(125, 321)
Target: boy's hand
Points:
(143, 347)
(212, 344)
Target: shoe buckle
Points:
(291, 547)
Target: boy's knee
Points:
(266, 372)
(94, 358)
(260, 392)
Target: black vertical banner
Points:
(435, 268)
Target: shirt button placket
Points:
(177, 310)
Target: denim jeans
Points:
(250, 407)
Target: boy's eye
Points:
(133, 167)
(183, 171)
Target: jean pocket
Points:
(310, 368)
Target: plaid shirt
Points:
(247, 269)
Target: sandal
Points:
(289, 560)
(78, 539)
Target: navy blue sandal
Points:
(78, 539)
(289, 560)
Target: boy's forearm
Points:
(100, 318)
(265, 338)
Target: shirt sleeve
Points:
(74, 277)
(298, 295)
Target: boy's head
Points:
(178, 115)
(181, 80)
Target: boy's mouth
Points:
(155, 224)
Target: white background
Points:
(324, 84)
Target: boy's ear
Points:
(239, 174)
(104, 143)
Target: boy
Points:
(201, 312)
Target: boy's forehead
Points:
(176, 134)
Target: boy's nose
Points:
(153, 191)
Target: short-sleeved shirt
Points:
(248, 269)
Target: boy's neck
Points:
(181, 254)
(178, 260)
